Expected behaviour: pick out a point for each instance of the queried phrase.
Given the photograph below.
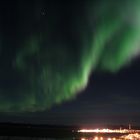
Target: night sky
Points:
(72, 63)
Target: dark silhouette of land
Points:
(47, 131)
(28, 130)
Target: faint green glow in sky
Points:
(53, 68)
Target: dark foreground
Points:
(46, 132)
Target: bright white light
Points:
(108, 131)
(135, 136)
(96, 138)
(101, 138)
(83, 139)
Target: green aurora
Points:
(58, 49)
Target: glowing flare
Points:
(123, 131)
(96, 138)
(101, 138)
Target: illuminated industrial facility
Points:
(108, 131)
(135, 136)
(126, 134)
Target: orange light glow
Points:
(96, 138)
(123, 131)
(101, 138)
(134, 136)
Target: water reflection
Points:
(99, 138)
(134, 136)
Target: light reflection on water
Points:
(99, 138)
(133, 136)
(74, 138)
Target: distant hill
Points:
(30, 130)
